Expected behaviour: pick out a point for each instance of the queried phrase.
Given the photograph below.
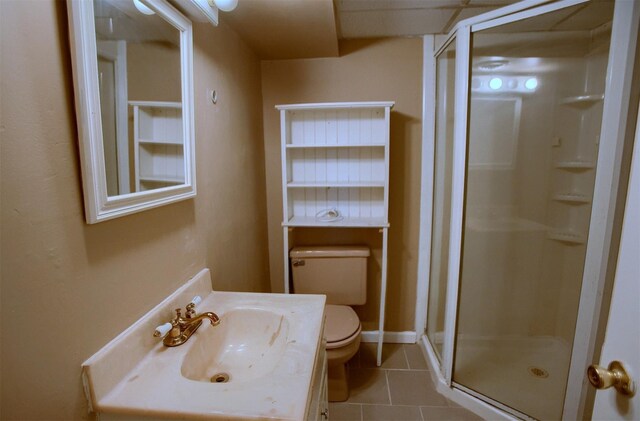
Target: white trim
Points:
(406, 337)
(463, 42)
(426, 183)
(624, 37)
(493, 14)
(198, 10)
(525, 14)
(98, 205)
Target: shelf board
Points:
(567, 237)
(336, 184)
(160, 142)
(350, 145)
(161, 179)
(336, 105)
(575, 165)
(156, 104)
(582, 101)
(310, 221)
(573, 198)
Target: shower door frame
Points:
(597, 266)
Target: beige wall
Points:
(68, 287)
(153, 71)
(367, 70)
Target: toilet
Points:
(339, 272)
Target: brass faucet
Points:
(183, 327)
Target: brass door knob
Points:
(615, 375)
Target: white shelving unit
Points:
(336, 156)
(158, 144)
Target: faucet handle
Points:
(192, 305)
(162, 330)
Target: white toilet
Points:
(339, 272)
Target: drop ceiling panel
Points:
(467, 13)
(360, 5)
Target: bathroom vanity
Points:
(264, 360)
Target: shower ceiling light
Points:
(531, 84)
(495, 83)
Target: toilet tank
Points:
(340, 272)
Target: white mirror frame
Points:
(98, 205)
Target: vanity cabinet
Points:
(335, 173)
(158, 144)
(318, 409)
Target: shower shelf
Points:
(582, 101)
(567, 237)
(573, 198)
(575, 165)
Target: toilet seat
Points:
(342, 325)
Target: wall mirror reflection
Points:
(133, 69)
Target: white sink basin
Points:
(246, 345)
(266, 343)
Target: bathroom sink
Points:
(247, 345)
(258, 363)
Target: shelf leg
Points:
(285, 246)
(383, 294)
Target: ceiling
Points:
(291, 29)
(393, 18)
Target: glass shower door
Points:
(536, 90)
(443, 153)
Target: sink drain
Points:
(220, 378)
(538, 372)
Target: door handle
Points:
(615, 375)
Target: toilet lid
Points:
(341, 323)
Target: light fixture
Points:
(531, 84)
(142, 8)
(489, 65)
(224, 5)
(495, 83)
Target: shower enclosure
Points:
(529, 127)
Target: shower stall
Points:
(529, 123)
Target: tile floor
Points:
(401, 389)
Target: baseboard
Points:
(407, 337)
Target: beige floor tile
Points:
(391, 413)
(392, 356)
(345, 412)
(368, 386)
(444, 414)
(415, 358)
(413, 388)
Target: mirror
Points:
(132, 63)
